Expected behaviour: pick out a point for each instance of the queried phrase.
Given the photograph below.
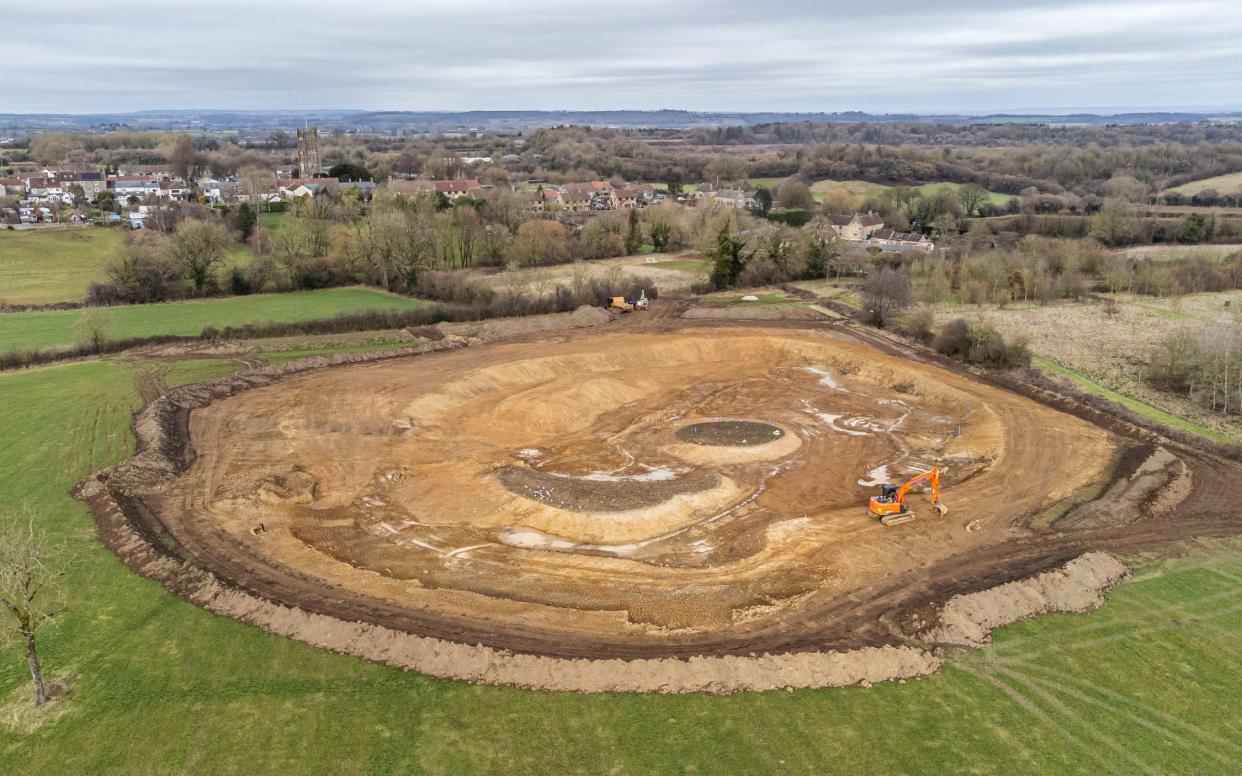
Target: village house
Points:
(455, 190)
(293, 188)
(139, 186)
(892, 241)
(144, 170)
(582, 197)
(171, 188)
(362, 189)
(452, 190)
(38, 188)
(92, 183)
(855, 227)
(219, 192)
(546, 198)
(734, 198)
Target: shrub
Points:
(795, 217)
(451, 286)
(919, 324)
(980, 344)
(101, 294)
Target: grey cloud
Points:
(955, 55)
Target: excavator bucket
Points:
(940, 508)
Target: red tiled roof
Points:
(455, 187)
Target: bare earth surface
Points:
(539, 497)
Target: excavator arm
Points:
(932, 477)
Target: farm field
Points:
(771, 183)
(1111, 352)
(670, 271)
(1173, 252)
(1052, 695)
(50, 328)
(867, 189)
(1223, 184)
(52, 265)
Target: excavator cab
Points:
(890, 505)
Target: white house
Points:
(139, 186)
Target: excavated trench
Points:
(606, 496)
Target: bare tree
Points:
(972, 195)
(885, 292)
(32, 589)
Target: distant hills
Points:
(525, 120)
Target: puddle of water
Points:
(530, 539)
(831, 419)
(877, 476)
(825, 378)
(653, 474)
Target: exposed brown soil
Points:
(366, 507)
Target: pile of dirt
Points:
(1080, 585)
(579, 494)
(500, 328)
(729, 433)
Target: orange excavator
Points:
(890, 505)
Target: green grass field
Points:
(864, 189)
(867, 189)
(771, 183)
(272, 221)
(46, 266)
(1150, 683)
(47, 328)
(1224, 184)
(684, 265)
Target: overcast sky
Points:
(79, 56)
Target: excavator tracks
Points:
(897, 519)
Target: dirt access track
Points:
(651, 495)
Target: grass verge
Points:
(1087, 385)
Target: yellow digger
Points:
(629, 305)
(890, 505)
